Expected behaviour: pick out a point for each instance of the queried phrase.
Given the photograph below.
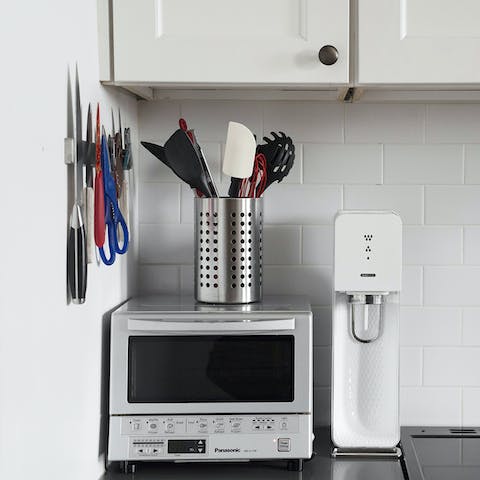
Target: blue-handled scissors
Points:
(113, 215)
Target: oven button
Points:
(283, 444)
(236, 427)
(135, 426)
(169, 427)
(283, 425)
(153, 426)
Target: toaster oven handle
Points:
(188, 325)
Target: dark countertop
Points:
(322, 466)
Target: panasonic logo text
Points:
(227, 450)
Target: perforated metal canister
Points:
(228, 250)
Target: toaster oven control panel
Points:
(209, 424)
(209, 437)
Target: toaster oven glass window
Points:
(211, 368)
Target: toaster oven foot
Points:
(127, 467)
(295, 465)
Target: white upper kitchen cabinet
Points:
(418, 42)
(176, 43)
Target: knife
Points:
(76, 253)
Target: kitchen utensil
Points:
(118, 160)
(88, 193)
(280, 154)
(191, 135)
(113, 216)
(180, 155)
(239, 151)
(255, 185)
(99, 214)
(76, 247)
(127, 159)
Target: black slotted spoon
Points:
(280, 155)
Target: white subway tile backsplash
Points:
(157, 120)
(404, 164)
(210, 118)
(166, 243)
(159, 203)
(322, 326)
(471, 326)
(472, 164)
(187, 279)
(471, 245)
(430, 406)
(430, 326)
(432, 245)
(302, 204)
(412, 286)
(322, 366)
(323, 163)
(151, 169)
(317, 245)
(187, 205)
(384, 123)
(158, 279)
(453, 204)
(449, 123)
(448, 366)
(471, 410)
(305, 121)
(281, 245)
(411, 363)
(455, 285)
(340, 162)
(407, 201)
(315, 282)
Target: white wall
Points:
(421, 160)
(50, 353)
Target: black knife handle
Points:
(234, 187)
(77, 263)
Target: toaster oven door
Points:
(178, 365)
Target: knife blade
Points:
(76, 251)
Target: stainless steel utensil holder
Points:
(228, 250)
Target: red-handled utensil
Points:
(99, 214)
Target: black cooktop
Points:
(441, 453)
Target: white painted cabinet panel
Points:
(229, 42)
(419, 42)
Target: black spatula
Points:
(180, 155)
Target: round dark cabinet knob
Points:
(328, 55)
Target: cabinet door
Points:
(195, 42)
(419, 41)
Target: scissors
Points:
(113, 215)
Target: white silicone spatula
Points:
(239, 151)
